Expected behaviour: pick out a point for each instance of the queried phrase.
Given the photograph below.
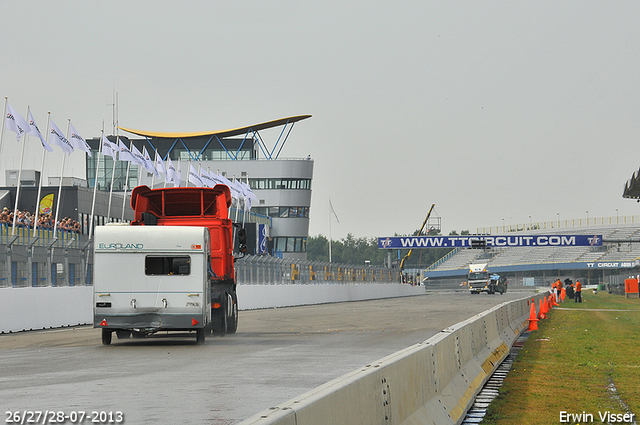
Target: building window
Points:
(282, 212)
(290, 244)
(266, 184)
(106, 171)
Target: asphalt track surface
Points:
(277, 354)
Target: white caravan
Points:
(150, 279)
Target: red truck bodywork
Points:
(191, 206)
(202, 207)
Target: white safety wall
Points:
(23, 309)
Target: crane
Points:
(406, 257)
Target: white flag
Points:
(170, 175)
(236, 189)
(334, 213)
(78, 142)
(108, 148)
(194, 177)
(35, 129)
(206, 178)
(13, 121)
(57, 138)
(224, 180)
(250, 197)
(125, 154)
(138, 158)
(148, 164)
(160, 165)
(178, 179)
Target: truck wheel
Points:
(106, 337)
(200, 336)
(220, 323)
(232, 325)
(122, 334)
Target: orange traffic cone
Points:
(549, 305)
(563, 294)
(533, 319)
(541, 310)
(555, 301)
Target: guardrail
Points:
(434, 382)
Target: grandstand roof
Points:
(220, 133)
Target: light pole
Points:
(587, 217)
(503, 225)
(530, 223)
(558, 219)
(617, 217)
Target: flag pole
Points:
(153, 176)
(113, 175)
(44, 154)
(166, 170)
(4, 119)
(64, 155)
(237, 199)
(329, 229)
(126, 180)
(15, 208)
(95, 183)
(244, 208)
(113, 171)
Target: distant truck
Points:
(479, 280)
(171, 269)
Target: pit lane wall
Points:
(32, 308)
(434, 382)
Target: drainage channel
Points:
(478, 409)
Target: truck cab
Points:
(479, 279)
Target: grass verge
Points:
(570, 362)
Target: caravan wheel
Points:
(106, 337)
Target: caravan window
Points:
(167, 266)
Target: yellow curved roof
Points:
(221, 133)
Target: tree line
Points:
(352, 250)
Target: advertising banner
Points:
(407, 242)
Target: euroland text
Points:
(600, 417)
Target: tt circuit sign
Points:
(488, 241)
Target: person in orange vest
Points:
(556, 288)
(578, 296)
(560, 291)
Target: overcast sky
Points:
(491, 110)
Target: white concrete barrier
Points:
(267, 296)
(434, 382)
(52, 307)
(24, 309)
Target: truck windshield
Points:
(478, 276)
(167, 265)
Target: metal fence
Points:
(266, 270)
(37, 265)
(25, 263)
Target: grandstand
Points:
(618, 256)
